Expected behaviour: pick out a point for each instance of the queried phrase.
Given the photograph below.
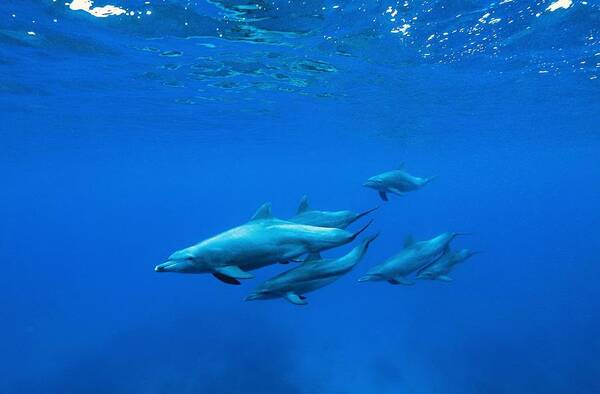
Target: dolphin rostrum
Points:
(440, 269)
(396, 181)
(311, 275)
(262, 241)
(334, 219)
(413, 256)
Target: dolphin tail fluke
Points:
(356, 234)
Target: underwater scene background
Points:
(131, 129)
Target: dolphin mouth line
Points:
(164, 267)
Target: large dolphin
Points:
(440, 269)
(311, 275)
(396, 181)
(334, 219)
(262, 241)
(413, 256)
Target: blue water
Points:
(126, 137)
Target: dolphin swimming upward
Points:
(311, 275)
(396, 181)
(414, 256)
(262, 241)
(334, 219)
(440, 269)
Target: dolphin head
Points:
(463, 254)
(262, 293)
(375, 182)
(181, 261)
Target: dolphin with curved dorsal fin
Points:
(397, 181)
(333, 219)
(414, 256)
(262, 241)
(442, 267)
(311, 275)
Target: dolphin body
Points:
(262, 241)
(333, 219)
(440, 269)
(311, 275)
(414, 256)
(397, 181)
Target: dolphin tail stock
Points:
(356, 234)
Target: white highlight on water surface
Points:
(560, 4)
(99, 12)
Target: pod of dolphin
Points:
(266, 240)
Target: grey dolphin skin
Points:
(311, 275)
(397, 181)
(414, 256)
(334, 219)
(440, 269)
(262, 241)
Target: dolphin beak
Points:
(166, 267)
(252, 297)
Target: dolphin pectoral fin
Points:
(383, 196)
(295, 298)
(314, 256)
(226, 279)
(284, 262)
(233, 271)
(400, 280)
(444, 278)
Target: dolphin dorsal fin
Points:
(409, 241)
(264, 212)
(304, 205)
(315, 256)
(401, 166)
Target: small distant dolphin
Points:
(334, 219)
(311, 275)
(396, 181)
(262, 241)
(414, 256)
(440, 269)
